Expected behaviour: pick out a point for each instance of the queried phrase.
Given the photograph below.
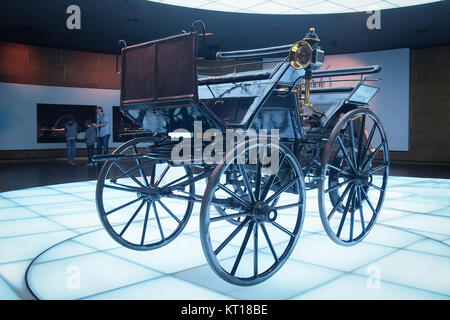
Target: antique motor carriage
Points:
(258, 139)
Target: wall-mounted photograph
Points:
(52, 118)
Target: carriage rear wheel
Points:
(355, 170)
(271, 207)
(132, 201)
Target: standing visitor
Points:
(103, 126)
(90, 138)
(71, 128)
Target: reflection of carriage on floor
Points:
(251, 211)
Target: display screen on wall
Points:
(51, 120)
(123, 128)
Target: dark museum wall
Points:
(429, 91)
(26, 64)
(429, 129)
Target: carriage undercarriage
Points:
(251, 211)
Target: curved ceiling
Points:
(293, 6)
(104, 22)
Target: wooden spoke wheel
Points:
(132, 199)
(355, 170)
(268, 199)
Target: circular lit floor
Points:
(52, 244)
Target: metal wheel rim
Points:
(325, 163)
(101, 212)
(204, 227)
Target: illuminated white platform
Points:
(49, 235)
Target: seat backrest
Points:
(161, 72)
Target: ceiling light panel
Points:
(240, 4)
(327, 7)
(294, 6)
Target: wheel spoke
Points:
(152, 178)
(369, 141)
(287, 206)
(361, 213)
(360, 140)
(162, 175)
(352, 214)
(222, 204)
(168, 211)
(277, 194)
(220, 210)
(258, 181)
(176, 181)
(242, 249)
(247, 182)
(338, 186)
(139, 164)
(372, 156)
(344, 151)
(144, 229)
(376, 187)
(266, 235)
(347, 189)
(271, 179)
(344, 214)
(126, 188)
(339, 170)
(124, 173)
(352, 142)
(255, 249)
(369, 202)
(379, 168)
(228, 217)
(157, 220)
(231, 236)
(283, 229)
(232, 194)
(123, 206)
(128, 174)
(274, 202)
(132, 218)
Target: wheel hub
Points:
(263, 212)
(362, 178)
(150, 195)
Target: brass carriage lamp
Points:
(318, 54)
(307, 54)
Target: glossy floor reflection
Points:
(52, 237)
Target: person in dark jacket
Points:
(90, 138)
(71, 138)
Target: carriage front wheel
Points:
(355, 169)
(267, 214)
(132, 199)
